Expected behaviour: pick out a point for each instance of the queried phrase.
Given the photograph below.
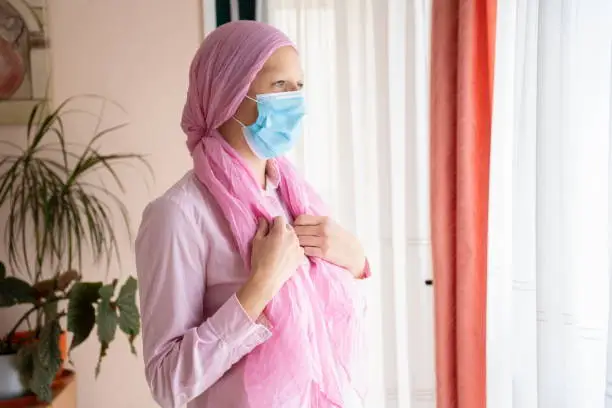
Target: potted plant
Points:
(57, 215)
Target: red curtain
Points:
(463, 38)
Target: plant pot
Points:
(30, 400)
(10, 382)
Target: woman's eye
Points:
(280, 84)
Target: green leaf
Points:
(49, 353)
(106, 320)
(81, 313)
(107, 315)
(40, 383)
(50, 310)
(25, 363)
(129, 317)
(15, 291)
(40, 361)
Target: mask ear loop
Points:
(234, 117)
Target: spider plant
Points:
(55, 210)
(58, 214)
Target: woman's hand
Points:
(321, 237)
(275, 257)
(276, 251)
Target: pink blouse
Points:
(195, 331)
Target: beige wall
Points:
(137, 53)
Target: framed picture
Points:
(24, 59)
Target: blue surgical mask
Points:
(277, 127)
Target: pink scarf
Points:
(317, 344)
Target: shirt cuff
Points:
(236, 329)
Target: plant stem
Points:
(11, 333)
(28, 313)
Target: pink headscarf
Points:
(316, 350)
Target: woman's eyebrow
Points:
(278, 73)
(270, 69)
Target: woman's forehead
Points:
(282, 59)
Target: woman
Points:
(247, 290)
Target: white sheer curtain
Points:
(548, 287)
(366, 149)
(609, 372)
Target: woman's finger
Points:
(262, 228)
(313, 251)
(310, 241)
(278, 225)
(308, 230)
(306, 219)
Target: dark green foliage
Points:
(57, 215)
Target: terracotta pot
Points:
(30, 400)
(10, 381)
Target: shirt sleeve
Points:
(184, 353)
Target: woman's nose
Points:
(291, 87)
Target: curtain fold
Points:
(608, 391)
(548, 286)
(460, 124)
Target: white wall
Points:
(136, 52)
